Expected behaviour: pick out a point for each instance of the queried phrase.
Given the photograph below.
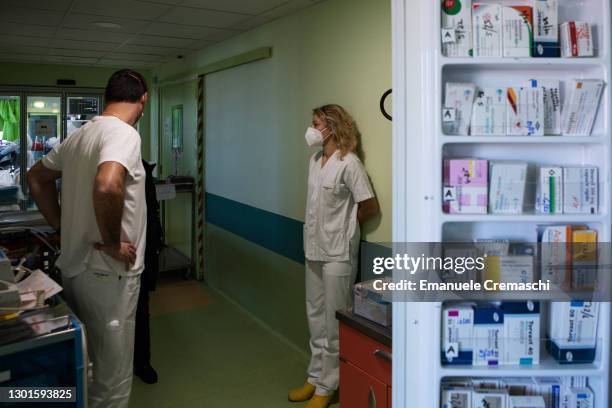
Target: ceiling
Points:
(142, 33)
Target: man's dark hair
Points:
(125, 85)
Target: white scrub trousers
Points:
(106, 304)
(328, 289)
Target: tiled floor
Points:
(209, 354)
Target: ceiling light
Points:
(106, 24)
(55, 111)
(38, 104)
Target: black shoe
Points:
(147, 374)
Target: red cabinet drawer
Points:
(365, 353)
(360, 390)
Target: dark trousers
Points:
(142, 341)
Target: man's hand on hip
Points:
(124, 252)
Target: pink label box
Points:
(465, 186)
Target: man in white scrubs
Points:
(102, 218)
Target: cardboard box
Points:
(546, 29)
(489, 399)
(576, 39)
(507, 187)
(535, 401)
(584, 259)
(509, 269)
(550, 389)
(487, 383)
(517, 29)
(465, 186)
(457, 111)
(555, 254)
(580, 109)
(549, 190)
(458, 333)
(520, 385)
(525, 111)
(370, 304)
(489, 113)
(573, 331)
(580, 190)
(521, 333)
(513, 119)
(531, 110)
(488, 335)
(454, 397)
(487, 24)
(457, 382)
(580, 398)
(457, 19)
(552, 104)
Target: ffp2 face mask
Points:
(314, 137)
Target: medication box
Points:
(507, 187)
(580, 190)
(580, 398)
(555, 254)
(531, 110)
(489, 113)
(584, 259)
(573, 331)
(520, 385)
(550, 389)
(552, 104)
(549, 190)
(457, 112)
(488, 335)
(487, 23)
(525, 111)
(576, 39)
(454, 397)
(517, 29)
(487, 383)
(509, 269)
(535, 401)
(465, 186)
(458, 333)
(370, 304)
(581, 107)
(546, 28)
(489, 399)
(457, 24)
(521, 333)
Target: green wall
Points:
(16, 74)
(338, 51)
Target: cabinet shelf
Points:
(543, 218)
(548, 367)
(523, 61)
(446, 139)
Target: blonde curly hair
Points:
(341, 125)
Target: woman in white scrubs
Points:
(340, 197)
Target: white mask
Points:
(314, 137)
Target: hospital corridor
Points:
(185, 186)
(305, 203)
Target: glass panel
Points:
(43, 128)
(10, 162)
(79, 110)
